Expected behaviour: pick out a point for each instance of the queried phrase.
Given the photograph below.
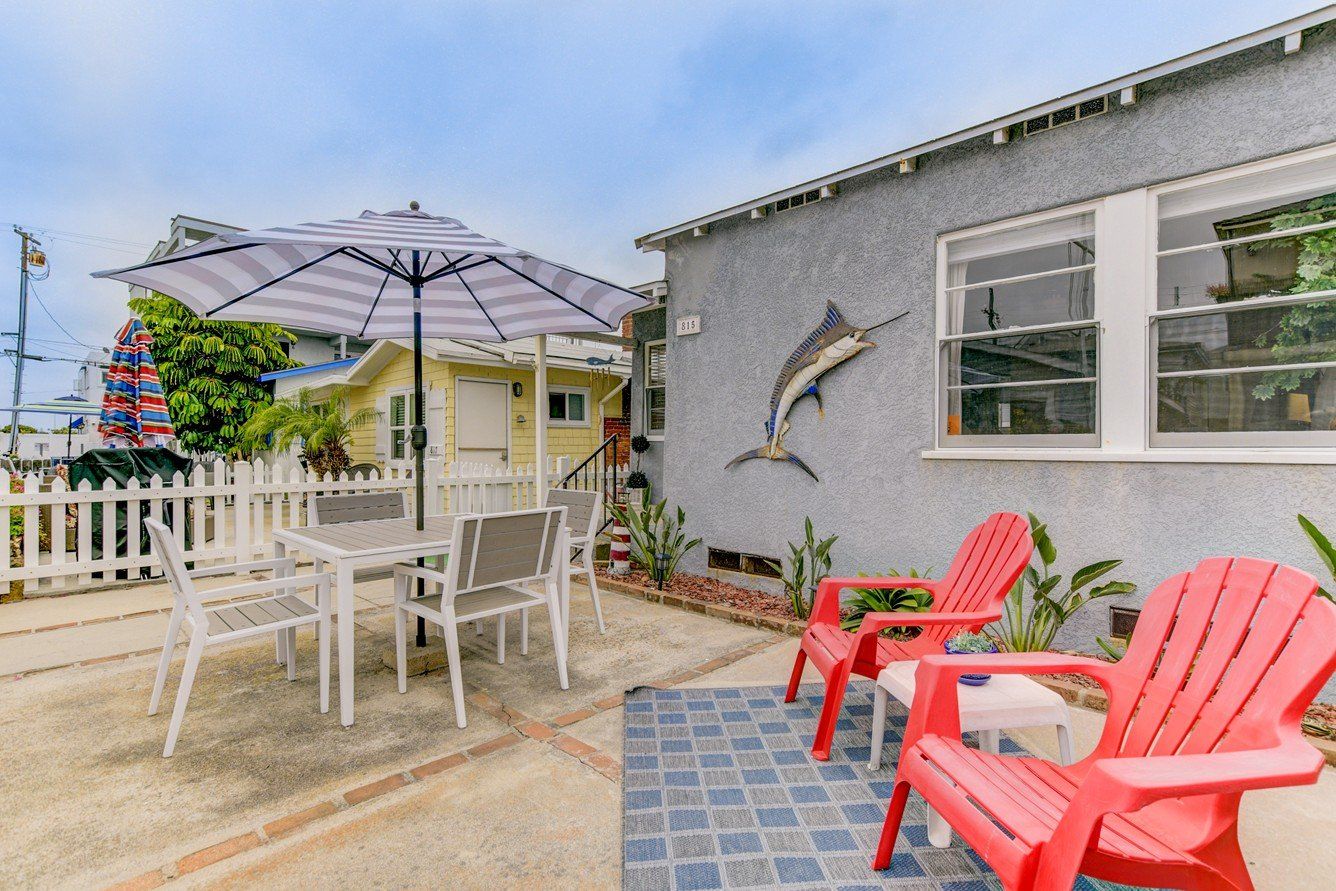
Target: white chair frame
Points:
(281, 612)
(585, 515)
(487, 575)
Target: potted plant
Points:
(636, 479)
(967, 643)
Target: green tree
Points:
(324, 429)
(210, 370)
(1306, 331)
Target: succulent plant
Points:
(969, 642)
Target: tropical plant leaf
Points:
(1325, 549)
(1088, 574)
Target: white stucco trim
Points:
(1152, 456)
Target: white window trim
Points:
(645, 388)
(1126, 227)
(566, 391)
(1039, 442)
(1301, 440)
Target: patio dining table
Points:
(350, 546)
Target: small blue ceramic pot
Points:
(970, 680)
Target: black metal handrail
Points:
(599, 467)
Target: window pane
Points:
(655, 409)
(1271, 266)
(575, 407)
(1038, 247)
(556, 406)
(1003, 411)
(1236, 206)
(397, 410)
(1063, 297)
(1255, 401)
(656, 365)
(1042, 356)
(1270, 335)
(1048, 247)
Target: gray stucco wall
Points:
(647, 326)
(759, 285)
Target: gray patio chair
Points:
(584, 515)
(493, 558)
(281, 612)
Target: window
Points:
(401, 421)
(1020, 353)
(568, 408)
(1204, 331)
(1243, 334)
(656, 374)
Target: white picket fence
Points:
(220, 513)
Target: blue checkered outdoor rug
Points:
(720, 791)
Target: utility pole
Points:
(26, 241)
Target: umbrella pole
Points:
(419, 432)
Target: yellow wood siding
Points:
(575, 442)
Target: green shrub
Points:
(808, 563)
(655, 531)
(1033, 612)
(888, 600)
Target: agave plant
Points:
(1034, 611)
(1325, 550)
(888, 600)
(658, 539)
(323, 428)
(808, 563)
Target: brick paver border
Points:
(519, 727)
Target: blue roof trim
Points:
(307, 369)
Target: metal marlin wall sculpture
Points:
(830, 343)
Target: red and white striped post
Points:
(619, 553)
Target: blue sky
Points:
(564, 128)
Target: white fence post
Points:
(241, 502)
(435, 469)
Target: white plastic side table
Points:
(1006, 702)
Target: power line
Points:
(88, 236)
(53, 318)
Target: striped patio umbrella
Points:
(402, 274)
(134, 412)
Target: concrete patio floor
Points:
(265, 791)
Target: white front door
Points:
(482, 421)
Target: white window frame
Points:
(1238, 439)
(945, 337)
(645, 388)
(1126, 235)
(567, 391)
(407, 426)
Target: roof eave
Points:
(655, 241)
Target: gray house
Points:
(1121, 316)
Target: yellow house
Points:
(479, 398)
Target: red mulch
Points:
(699, 587)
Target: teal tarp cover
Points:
(119, 466)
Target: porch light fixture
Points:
(517, 388)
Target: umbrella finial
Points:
(413, 205)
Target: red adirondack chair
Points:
(1205, 706)
(970, 596)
